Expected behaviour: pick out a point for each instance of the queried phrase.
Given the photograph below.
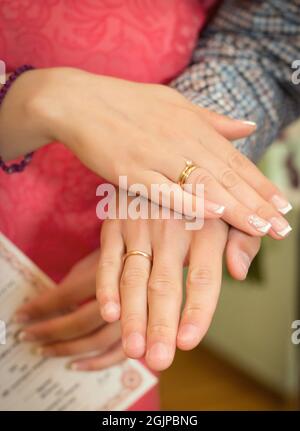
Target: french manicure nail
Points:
(250, 123)
(215, 208)
(259, 224)
(281, 204)
(280, 226)
(219, 210)
(285, 231)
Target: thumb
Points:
(228, 127)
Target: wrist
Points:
(54, 103)
(23, 123)
(48, 102)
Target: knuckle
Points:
(131, 277)
(132, 320)
(200, 310)
(198, 277)
(106, 262)
(162, 284)
(195, 308)
(229, 178)
(161, 329)
(236, 160)
(203, 177)
(264, 211)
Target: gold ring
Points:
(137, 253)
(186, 172)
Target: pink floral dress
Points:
(49, 211)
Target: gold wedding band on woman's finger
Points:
(210, 207)
(137, 253)
(186, 172)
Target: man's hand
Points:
(148, 299)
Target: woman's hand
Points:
(148, 299)
(146, 132)
(60, 326)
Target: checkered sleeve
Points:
(242, 67)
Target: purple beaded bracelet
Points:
(14, 167)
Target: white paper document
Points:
(29, 382)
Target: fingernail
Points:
(111, 310)
(134, 344)
(20, 318)
(281, 204)
(245, 262)
(159, 351)
(250, 123)
(259, 224)
(25, 336)
(215, 208)
(77, 366)
(280, 226)
(188, 333)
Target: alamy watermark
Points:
(296, 334)
(137, 202)
(296, 73)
